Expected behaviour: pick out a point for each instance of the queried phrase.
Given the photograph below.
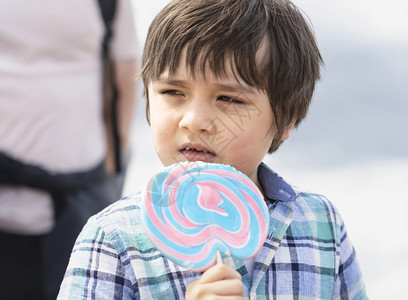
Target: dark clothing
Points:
(19, 262)
(76, 197)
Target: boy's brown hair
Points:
(216, 32)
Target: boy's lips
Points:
(197, 152)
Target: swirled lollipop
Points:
(192, 209)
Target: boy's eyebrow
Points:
(169, 81)
(230, 87)
(235, 87)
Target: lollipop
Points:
(191, 210)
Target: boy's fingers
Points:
(219, 280)
(219, 272)
(229, 287)
(224, 289)
(234, 298)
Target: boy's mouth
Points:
(196, 150)
(197, 153)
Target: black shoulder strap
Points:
(108, 9)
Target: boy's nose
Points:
(198, 118)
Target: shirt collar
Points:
(275, 188)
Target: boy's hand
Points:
(218, 282)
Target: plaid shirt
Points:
(307, 254)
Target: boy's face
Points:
(210, 119)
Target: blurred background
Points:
(353, 146)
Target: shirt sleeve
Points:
(124, 41)
(349, 283)
(95, 270)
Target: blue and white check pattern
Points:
(307, 254)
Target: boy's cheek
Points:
(241, 115)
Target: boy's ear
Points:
(288, 130)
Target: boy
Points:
(225, 82)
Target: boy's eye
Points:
(230, 99)
(172, 92)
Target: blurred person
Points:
(59, 157)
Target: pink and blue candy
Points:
(192, 209)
